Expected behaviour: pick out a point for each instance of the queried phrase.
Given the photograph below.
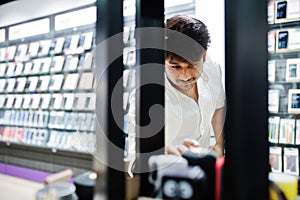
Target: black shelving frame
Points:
(246, 139)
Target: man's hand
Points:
(180, 149)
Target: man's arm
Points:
(217, 121)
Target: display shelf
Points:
(44, 158)
(295, 23)
(47, 74)
(285, 113)
(284, 54)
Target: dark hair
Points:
(192, 28)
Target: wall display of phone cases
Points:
(284, 85)
(284, 160)
(47, 91)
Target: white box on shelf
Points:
(2, 100)
(33, 83)
(18, 102)
(11, 52)
(68, 99)
(271, 12)
(21, 84)
(88, 40)
(56, 82)
(19, 69)
(10, 101)
(36, 98)
(273, 100)
(33, 49)
(2, 54)
(74, 42)
(57, 100)
(11, 67)
(3, 67)
(43, 83)
(44, 47)
(71, 82)
(293, 69)
(22, 50)
(28, 68)
(27, 101)
(84, 101)
(86, 81)
(71, 63)
(59, 44)
(11, 82)
(57, 63)
(2, 84)
(45, 101)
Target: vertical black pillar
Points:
(246, 163)
(109, 108)
(149, 14)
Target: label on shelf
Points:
(65, 21)
(28, 29)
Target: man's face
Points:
(182, 74)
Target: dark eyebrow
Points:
(173, 63)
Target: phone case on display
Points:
(10, 70)
(19, 69)
(33, 49)
(71, 82)
(10, 52)
(10, 84)
(56, 82)
(57, 64)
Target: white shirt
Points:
(184, 118)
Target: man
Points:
(194, 95)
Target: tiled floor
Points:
(13, 188)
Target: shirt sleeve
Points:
(215, 81)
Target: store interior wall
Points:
(23, 10)
(212, 13)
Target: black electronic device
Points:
(188, 183)
(206, 159)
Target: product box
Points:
(291, 161)
(294, 101)
(273, 100)
(287, 131)
(286, 11)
